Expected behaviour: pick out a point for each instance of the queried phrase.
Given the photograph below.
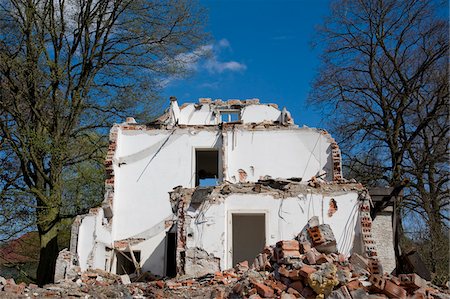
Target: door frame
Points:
(229, 248)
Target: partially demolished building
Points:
(209, 184)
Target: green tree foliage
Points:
(67, 70)
(384, 78)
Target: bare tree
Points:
(384, 78)
(69, 68)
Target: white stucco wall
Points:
(259, 113)
(149, 170)
(279, 153)
(93, 237)
(285, 218)
(153, 162)
(196, 114)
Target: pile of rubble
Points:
(307, 267)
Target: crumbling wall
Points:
(207, 225)
(93, 239)
(197, 262)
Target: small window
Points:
(229, 116)
(206, 167)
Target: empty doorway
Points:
(248, 236)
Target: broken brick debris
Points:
(285, 270)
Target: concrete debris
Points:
(290, 269)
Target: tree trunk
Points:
(398, 233)
(47, 259)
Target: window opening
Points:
(230, 116)
(206, 167)
(125, 263)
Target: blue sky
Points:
(260, 49)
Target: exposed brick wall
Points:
(109, 182)
(335, 157)
(366, 229)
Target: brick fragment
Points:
(308, 293)
(238, 288)
(394, 291)
(315, 235)
(412, 281)
(283, 271)
(323, 258)
(264, 291)
(378, 283)
(375, 267)
(294, 275)
(281, 253)
(353, 285)
(288, 245)
(306, 270)
(305, 246)
(297, 285)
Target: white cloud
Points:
(207, 58)
(191, 60)
(224, 43)
(213, 65)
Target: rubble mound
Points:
(308, 267)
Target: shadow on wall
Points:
(156, 259)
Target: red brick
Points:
(413, 281)
(375, 267)
(322, 258)
(420, 294)
(160, 284)
(308, 293)
(277, 286)
(297, 285)
(294, 275)
(316, 235)
(173, 285)
(395, 280)
(283, 271)
(289, 245)
(305, 246)
(281, 253)
(394, 291)
(264, 290)
(238, 288)
(354, 285)
(306, 270)
(378, 283)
